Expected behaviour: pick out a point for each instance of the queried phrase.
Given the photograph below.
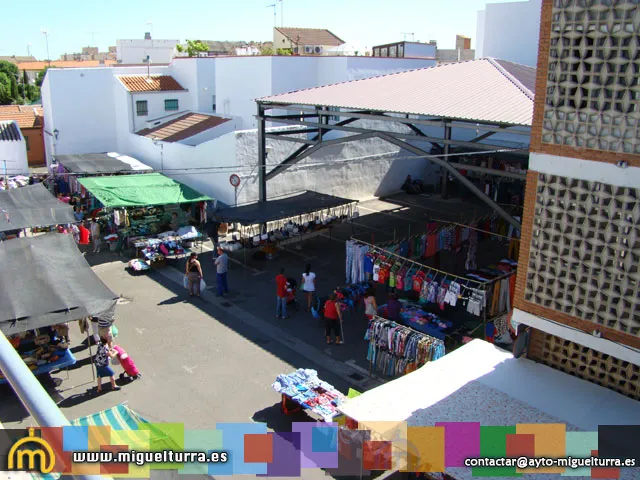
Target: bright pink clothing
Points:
(126, 362)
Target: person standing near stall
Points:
(194, 274)
(95, 235)
(103, 369)
(309, 285)
(281, 295)
(222, 268)
(370, 305)
(333, 319)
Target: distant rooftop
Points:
(65, 64)
(310, 36)
(183, 127)
(27, 116)
(150, 83)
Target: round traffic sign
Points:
(234, 180)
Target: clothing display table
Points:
(412, 315)
(63, 358)
(304, 389)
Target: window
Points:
(26, 141)
(213, 101)
(171, 104)
(141, 108)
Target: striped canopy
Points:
(120, 417)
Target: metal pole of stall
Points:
(32, 394)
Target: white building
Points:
(406, 50)
(305, 41)
(133, 52)
(13, 149)
(247, 50)
(510, 31)
(199, 112)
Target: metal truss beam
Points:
(389, 116)
(489, 171)
(453, 171)
(290, 139)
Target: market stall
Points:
(285, 221)
(32, 206)
(303, 390)
(151, 214)
(478, 386)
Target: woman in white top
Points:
(370, 305)
(309, 285)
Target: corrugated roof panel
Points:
(9, 131)
(478, 90)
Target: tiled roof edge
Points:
(511, 78)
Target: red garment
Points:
(281, 282)
(432, 246)
(331, 310)
(84, 235)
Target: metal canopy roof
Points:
(482, 90)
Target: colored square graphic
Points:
(164, 436)
(461, 441)
(286, 455)
(54, 436)
(114, 468)
(493, 444)
(396, 434)
(523, 445)
(377, 455)
(619, 441)
(350, 446)
(75, 439)
(233, 442)
(324, 439)
(200, 441)
(258, 448)
(580, 445)
(309, 457)
(99, 436)
(604, 473)
(550, 441)
(425, 447)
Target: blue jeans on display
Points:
(221, 281)
(281, 304)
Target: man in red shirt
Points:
(281, 295)
(333, 319)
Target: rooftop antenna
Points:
(275, 22)
(413, 35)
(150, 24)
(28, 49)
(281, 13)
(93, 38)
(46, 39)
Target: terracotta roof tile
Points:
(151, 83)
(183, 127)
(27, 116)
(65, 64)
(311, 36)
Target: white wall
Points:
(136, 51)
(510, 31)
(185, 163)
(14, 152)
(155, 106)
(419, 50)
(480, 34)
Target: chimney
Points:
(147, 35)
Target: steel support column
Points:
(455, 173)
(445, 175)
(262, 156)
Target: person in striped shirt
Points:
(105, 331)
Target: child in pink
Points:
(127, 364)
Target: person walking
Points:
(193, 271)
(103, 369)
(95, 235)
(370, 305)
(281, 295)
(333, 320)
(222, 267)
(309, 285)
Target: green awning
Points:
(140, 190)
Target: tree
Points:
(193, 48)
(40, 77)
(5, 89)
(284, 51)
(266, 51)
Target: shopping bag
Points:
(185, 282)
(114, 331)
(202, 284)
(115, 361)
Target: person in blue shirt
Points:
(78, 213)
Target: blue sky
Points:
(72, 23)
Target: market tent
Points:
(92, 163)
(480, 382)
(45, 280)
(273, 210)
(140, 190)
(32, 206)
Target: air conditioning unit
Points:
(308, 49)
(317, 49)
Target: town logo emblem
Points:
(44, 453)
